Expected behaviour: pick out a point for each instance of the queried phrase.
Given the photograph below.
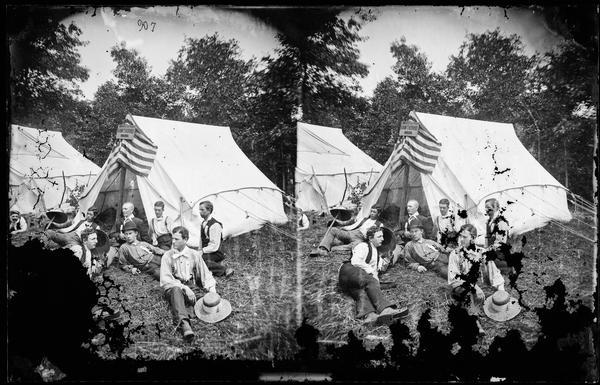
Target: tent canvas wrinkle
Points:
(38, 160)
(478, 160)
(323, 153)
(196, 162)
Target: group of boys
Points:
(446, 247)
(159, 250)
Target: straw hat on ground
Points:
(501, 307)
(212, 308)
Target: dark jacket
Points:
(426, 222)
(141, 226)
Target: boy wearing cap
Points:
(412, 210)
(128, 210)
(182, 274)
(137, 256)
(424, 254)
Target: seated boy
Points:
(424, 254)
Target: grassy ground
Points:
(549, 252)
(261, 292)
(264, 296)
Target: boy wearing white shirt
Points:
(182, 274)
(160, 227)
(447, 225)
(467, 266)
(17, 223)
(88, 222)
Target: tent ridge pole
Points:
(121, 192)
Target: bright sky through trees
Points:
(158, 33)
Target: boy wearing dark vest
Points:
(358, 278)
(211, 237)
(17, 223)
(496, 234)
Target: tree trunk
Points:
(566, 163)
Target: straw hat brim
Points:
(511, 311)
(341, 213)
(389, 240)
(57, 216)
(224, 312)
(103, 245)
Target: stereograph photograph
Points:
(302, 193)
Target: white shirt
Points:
(459, 265)
(177, 266)
(359, 259)
(303, 222)
(363, 227)
(366, 226)
(445, 224)
(125, 220)
(214, 241)
(22, 223)
(160, 226)
(81, 250)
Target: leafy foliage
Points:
(45, 66)
(313, 76)
(212, 79)
(492, 70)
(134, 91)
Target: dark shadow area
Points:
(49, 309)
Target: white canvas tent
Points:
(38, 160)
(193, 163)
(478, 160)
(323, 153)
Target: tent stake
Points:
(345, 186)
(64, 189)
(404, 210)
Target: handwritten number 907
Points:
(143, 24)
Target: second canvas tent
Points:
(327, 165)
(44, 170)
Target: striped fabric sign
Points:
(421, 152)
(136, 154)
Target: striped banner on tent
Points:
(421, 152)
(136, 154)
